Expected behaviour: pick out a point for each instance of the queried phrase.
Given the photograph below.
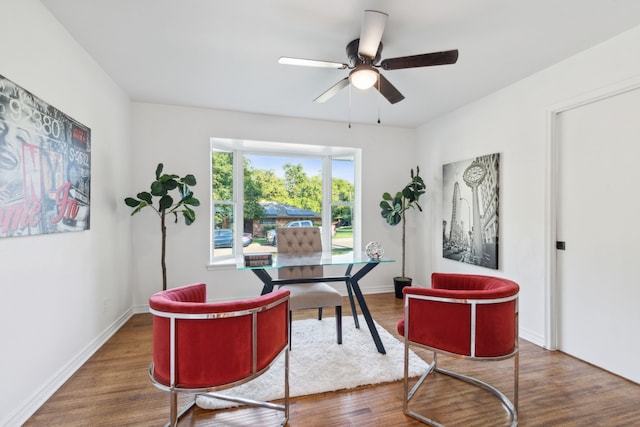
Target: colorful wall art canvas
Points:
(45, 166)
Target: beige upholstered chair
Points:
(306, 241)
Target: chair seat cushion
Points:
(312, 295)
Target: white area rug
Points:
(318, 364)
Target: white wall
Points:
(65, 293)
(179, 137)
(513, 122)
(62, 294)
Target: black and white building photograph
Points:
(470, 211)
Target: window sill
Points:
(223, 264)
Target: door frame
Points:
(553, 140)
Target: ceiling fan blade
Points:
(311, 63)
(424, 60)
(332, 91)
(388, 90)
(373, 23)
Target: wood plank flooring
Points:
(112, 389)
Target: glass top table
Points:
(348, 259)
(314, 259)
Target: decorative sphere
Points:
(374, 250)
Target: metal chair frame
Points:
(175, 416)
(511, 407)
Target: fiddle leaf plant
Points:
(163, 185)
(394, 207)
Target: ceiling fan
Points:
(364, 61)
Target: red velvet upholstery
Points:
(218, 350)
(465, 315)
(444, 325)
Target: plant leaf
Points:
(165, 202)
(158, 188)
(136, 210)
(170, 184)
(189, 216)
(192, 201)
(168, 177)
(189, 180)
(131, 202)
(159, 170)
(145, 196)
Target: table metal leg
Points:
(354, 311)
(363, 305)
(266, 279)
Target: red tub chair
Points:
(202, 348)
(470, 316)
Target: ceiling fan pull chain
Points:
(379, 95)
(349, 106)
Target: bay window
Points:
(259, 186)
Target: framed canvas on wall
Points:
(45, 166)
(470, 205)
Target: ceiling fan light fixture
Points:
(363, 77)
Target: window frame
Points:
(241, 147)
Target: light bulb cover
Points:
(363, 77)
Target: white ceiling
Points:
(223, 54)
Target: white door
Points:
(598, 218)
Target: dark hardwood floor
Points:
(112, 389)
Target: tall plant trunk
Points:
(164, 250)
(404, 227)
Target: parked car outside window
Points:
(223, 238)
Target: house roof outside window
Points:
(283, 211)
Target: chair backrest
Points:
(469, 315)
(198, 344)
(299, 241)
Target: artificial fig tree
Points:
(395, 207)
(161, 188)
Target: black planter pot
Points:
(399, 283)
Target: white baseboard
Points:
(532, 337)
(140, 309)
(37, 399)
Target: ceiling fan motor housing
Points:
(355, 59)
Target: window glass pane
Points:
(223, 240)
(280, 191)
(342, 171)
(342, 240)
(342, 199)
(222, 175)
